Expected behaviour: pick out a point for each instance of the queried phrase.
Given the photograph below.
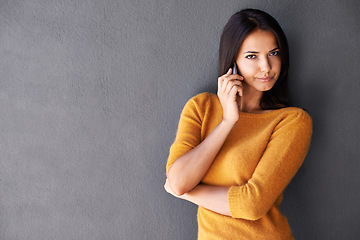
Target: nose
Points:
(265, 65)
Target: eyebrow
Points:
(258, 52)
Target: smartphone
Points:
(234, 70)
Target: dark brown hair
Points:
(239, 26)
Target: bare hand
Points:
(229, 86)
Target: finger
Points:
(222, 78)
(229, 71)
(233, 89)
(240, 90)
(237, 77)
(224, 84)
(236, 82)
(227, 80)
(220, 81)
(231, 84)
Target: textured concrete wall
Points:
(90, 96)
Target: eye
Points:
(250, 56)
(274, 53)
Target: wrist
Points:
(228, 123)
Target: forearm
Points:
(210, 197)
(188, 170)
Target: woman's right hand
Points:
(229, 86)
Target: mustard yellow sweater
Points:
(258, 159)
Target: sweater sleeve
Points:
(188, 135)
(283, 156)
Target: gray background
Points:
(91, 93)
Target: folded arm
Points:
(188, 170)
(282, 158)
(210, 197)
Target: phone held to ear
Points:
(234, 70)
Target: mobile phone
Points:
(234, 70)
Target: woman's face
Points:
(259, 61)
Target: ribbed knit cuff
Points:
(234, 201)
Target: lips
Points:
(265, 79)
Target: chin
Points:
(265, 88)
(269, 86)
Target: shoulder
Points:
(297, 114)
(295, 118)
(203, 98)
(203, 101)
(202, 106)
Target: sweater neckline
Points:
(246, 114)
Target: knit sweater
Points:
(258, 159)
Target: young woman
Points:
(235, 152)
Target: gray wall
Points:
(90, 97)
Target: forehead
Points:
(259, 41)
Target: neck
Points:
(250, 102)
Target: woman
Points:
(235, 152)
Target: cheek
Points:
(247, 69)
(276, 65)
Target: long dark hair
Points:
(239, 26)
